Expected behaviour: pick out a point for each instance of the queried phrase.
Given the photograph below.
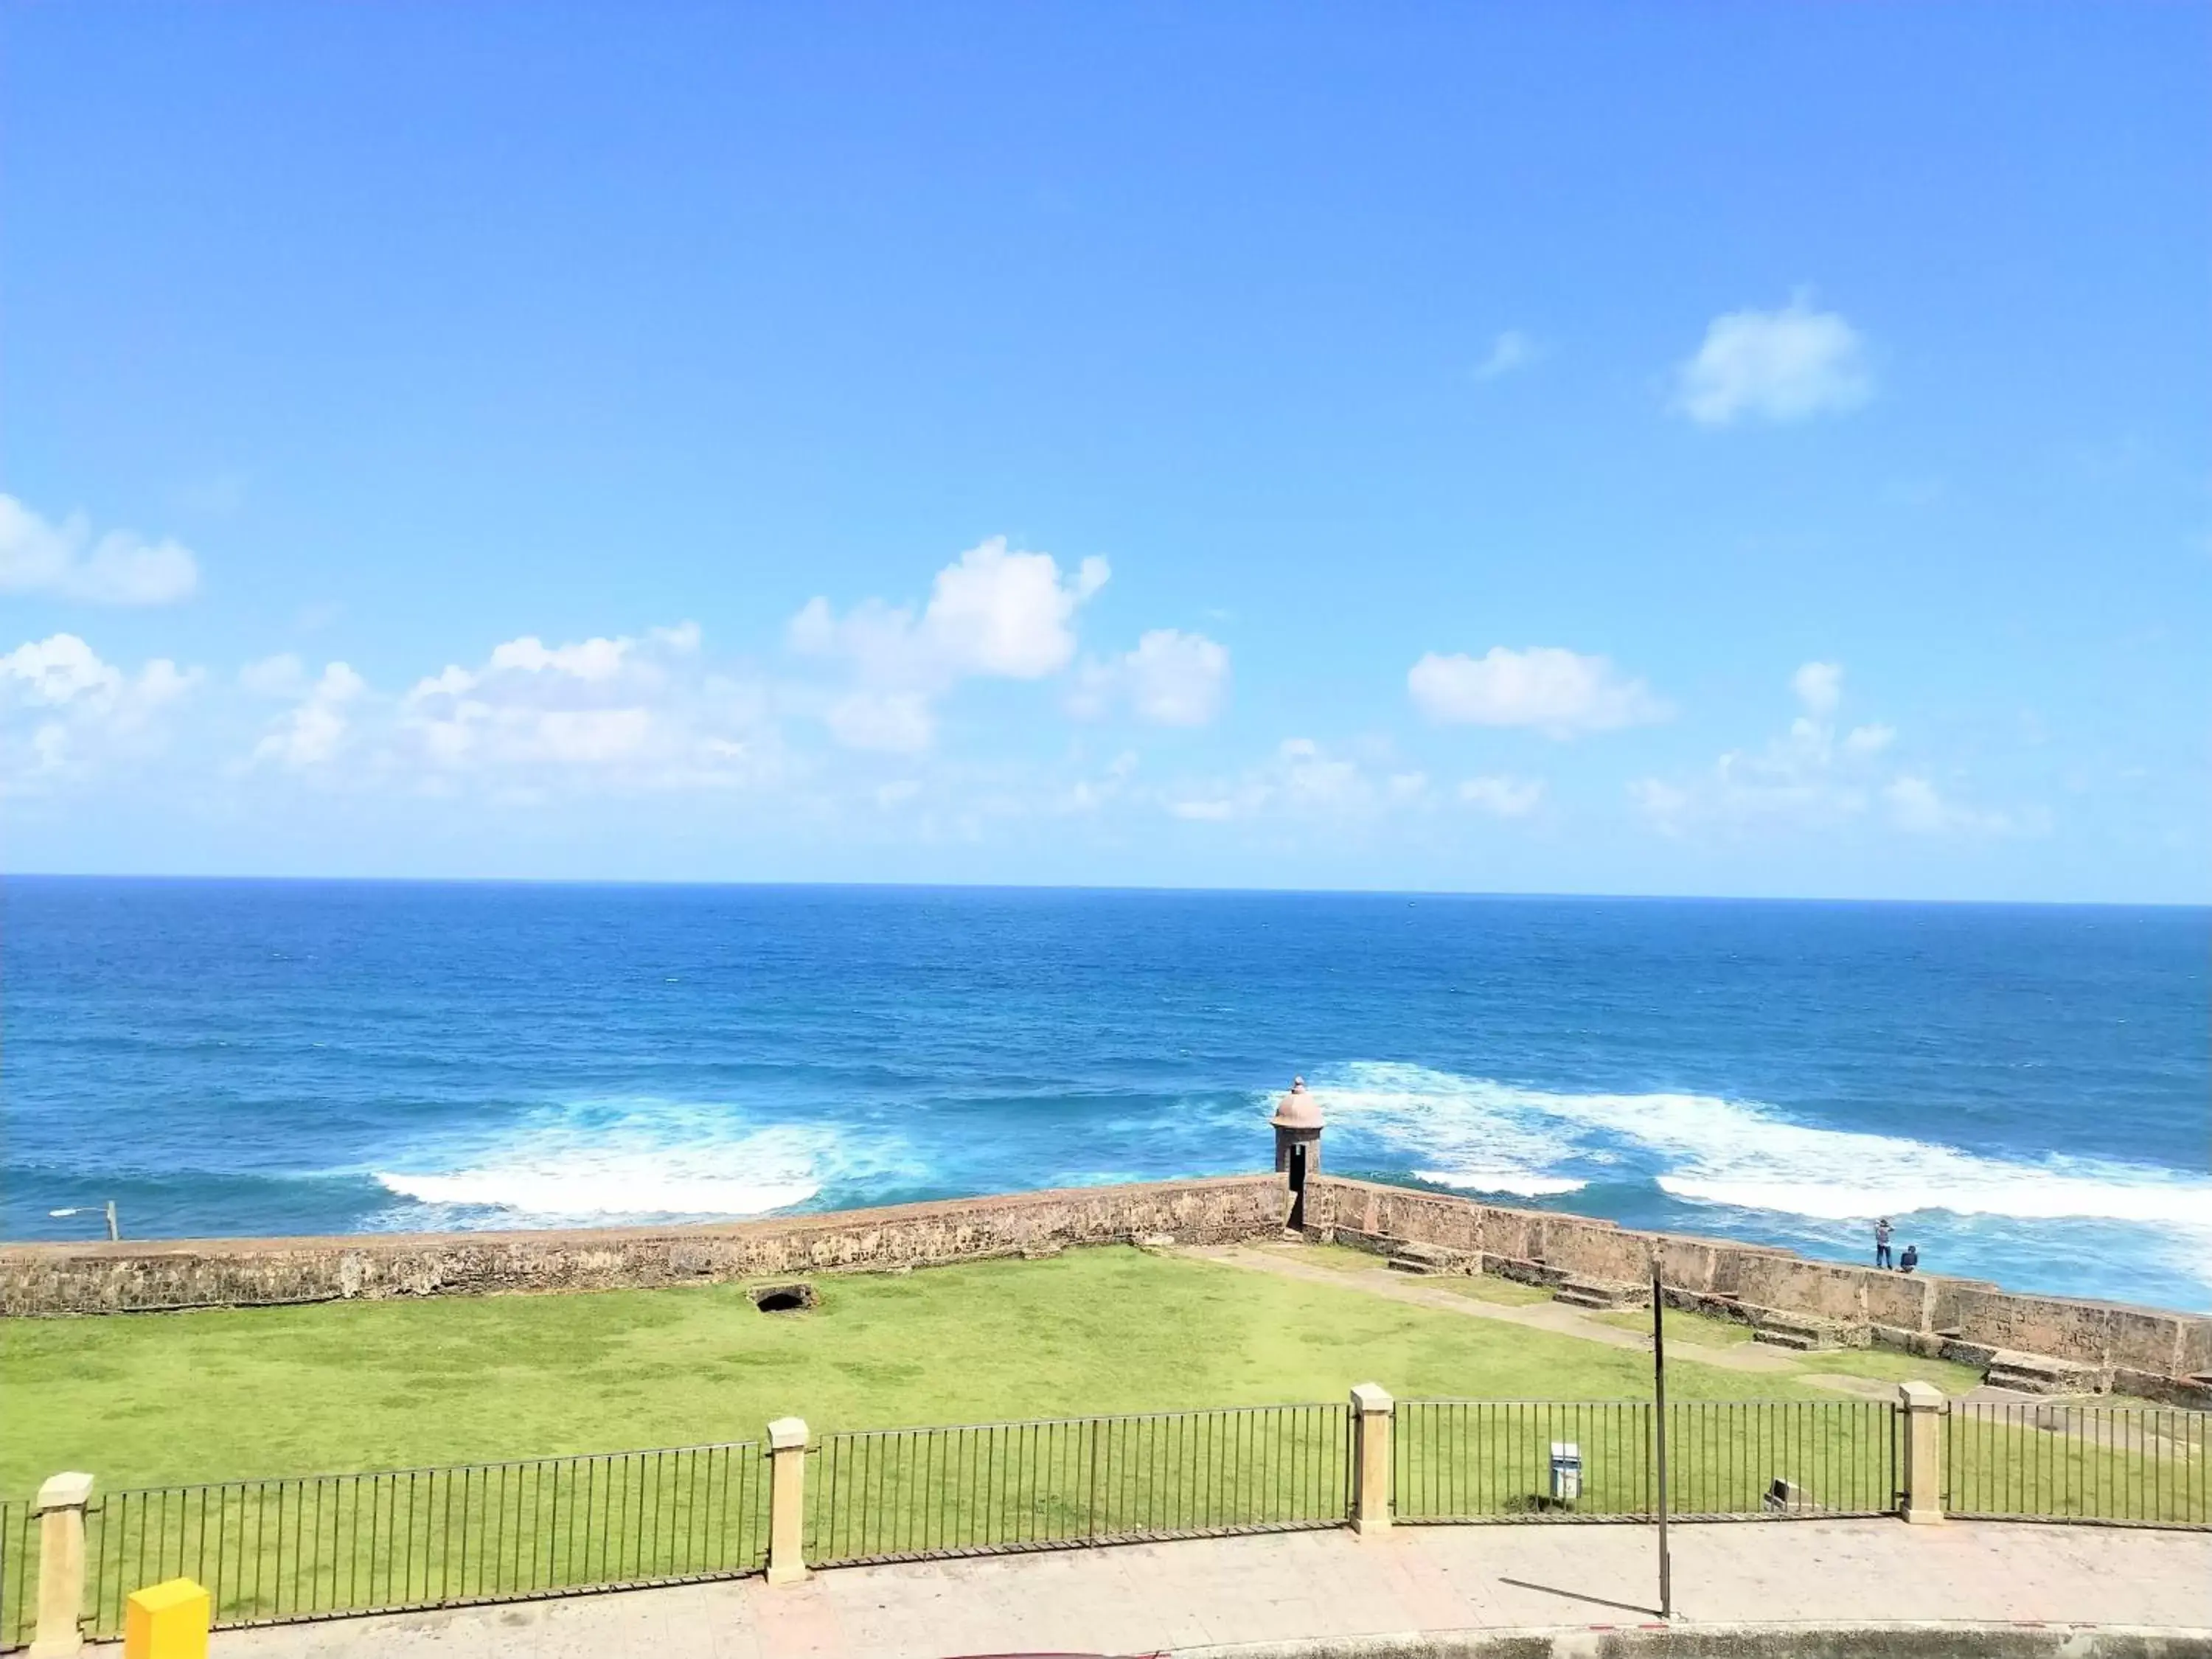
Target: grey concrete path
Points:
(1554, 1317)
(1143, 1599)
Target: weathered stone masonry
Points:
(146, 1276)
(2098, 1345)
(2093, 1345)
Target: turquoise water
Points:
(2025, 1089)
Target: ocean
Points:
(2024, 1089)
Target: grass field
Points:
(248, 1394)
(1701, 1328)
(162, 1398)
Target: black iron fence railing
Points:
(275, 1550)
(2061, 1461)
(269, 1550)
(1539, 1460)
(19, 1573)
(900, 1494)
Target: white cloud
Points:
(1809, 778)
(608, 713)
(66, 560)
(895, 722)
(1087, 796)
(1819, 686)
(997, 612)
(79, 705)
(59, 669)
(310, 734)
(1556, 691)
(63, 671)
(1204, 811)
(634, 709)
(896, 793)
(994, 612)
(1511, 350)
(281, 675)
(1302, 780)
(593, 737)
(1915, 806)
(1661, 802)
(1503, 797)
(1785, 365)
(1918, 808)
(1171, 679)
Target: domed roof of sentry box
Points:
(1297, 1109)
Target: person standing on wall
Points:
(1882, 1242)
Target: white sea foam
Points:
(597, 1188)
(1491, 1136)
(631, 1159)
(1503, 1181)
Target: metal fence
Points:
(270, 1551)
(273, 1551)
(903, 1494)
(19, 1573)
(1493, 1459)
(2145, 1466)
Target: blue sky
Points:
(1704, 450)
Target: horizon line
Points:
(1191, 890)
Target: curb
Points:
(1686, 1640)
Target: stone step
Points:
(2035, 1373)
(1602, 1293)
(1804, 1333)
(1426, 1259)
(1524, 1272)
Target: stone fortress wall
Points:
(2041, 1343)
(2054, 1344)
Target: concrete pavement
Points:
(1287, 1586)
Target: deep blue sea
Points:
(2025, 1090)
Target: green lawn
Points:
(162, 1398)
(1888, 1366)
(1703, 1329)
(1488, 1287)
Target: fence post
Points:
(1923, 1405)
(787, 1501)
(1372, 1411)
(60, 1510)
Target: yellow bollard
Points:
(167, 1621)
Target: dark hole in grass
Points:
(786, 1298)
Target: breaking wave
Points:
(1478, 1134)
(635, 1160)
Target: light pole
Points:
(1659, 1422)
(113, 1231)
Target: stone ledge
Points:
(1933, 1315)
(2151, 1352)
(145, 1277)
(2032, 1373)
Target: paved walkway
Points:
(1146, 1598)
